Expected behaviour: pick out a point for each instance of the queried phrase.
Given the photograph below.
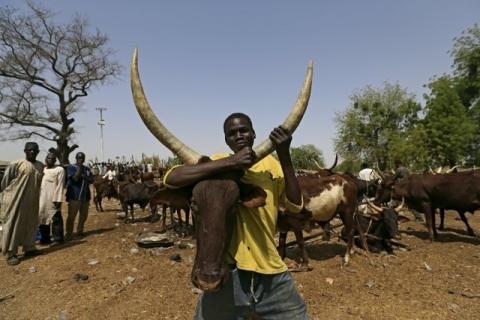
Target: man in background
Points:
(51, 193)
(19, 202)
(79, 178)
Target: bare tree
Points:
(45, 68)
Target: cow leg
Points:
(442, 219)
(347, 219)
(132, 212)
(164, 217)
(187, 221)
(172, 219)
(179, 215)
(187, 216)
(327, 231)
(427, 209)
(98, 202)
(153, 209)
(125, 209)
(282, 239)
(464, 219)
(301, 246)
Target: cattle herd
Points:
(367, 219)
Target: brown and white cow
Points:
(214, 197)
(324, 198)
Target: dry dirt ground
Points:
(431, 281)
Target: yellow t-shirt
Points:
(252, 246)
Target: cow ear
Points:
(252, 196)
(402, 219)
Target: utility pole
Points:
(101, 123)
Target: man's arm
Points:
(282, 139)
(190, 174)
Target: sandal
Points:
(13, 261)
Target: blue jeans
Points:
(246, 293)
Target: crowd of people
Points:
(31, 194)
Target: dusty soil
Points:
(431, 281)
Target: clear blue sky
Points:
(202, 60)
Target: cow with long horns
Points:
(236, 199)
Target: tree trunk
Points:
(64, 150)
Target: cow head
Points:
(390, 217)
(216, 197)
(385, 190)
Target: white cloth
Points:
(110, 175)
(51, 191)
(368, 174)
(19, 201)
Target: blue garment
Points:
(80, 189)
(271, 297)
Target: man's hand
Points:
(282, 138)
(243, 159)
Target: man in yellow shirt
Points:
(259, 282)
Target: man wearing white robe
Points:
(19, 202)
(51, 193)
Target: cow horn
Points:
(452, 169)
(151, 121)
(376, 208)
(293, 119)
(334, 163)
(430, 170)
(439, 169)
(400, 206)
(379, 172)
(317, 164)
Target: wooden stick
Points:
(8, 296)
(312, 236)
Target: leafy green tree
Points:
(45, 70)
(377, 122)
(466, 65)
(449, 127)
(307, 157)
(351, 166)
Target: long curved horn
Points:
(317, 164)
(334, 163)
(293, 119)
(376, 208)
(400, 206)
(151, 121)
(439, 169)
